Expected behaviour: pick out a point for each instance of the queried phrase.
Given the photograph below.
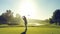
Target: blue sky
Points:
(8, 4)
(49, 6)
(45, 7)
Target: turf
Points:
(31, 30)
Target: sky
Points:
(35, 9)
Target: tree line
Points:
(8, 18)
(56, 17)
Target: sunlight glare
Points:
(28, 8)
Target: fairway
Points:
(31, 30)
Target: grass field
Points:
(31, 30)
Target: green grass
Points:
(31, 30)
(11, 30)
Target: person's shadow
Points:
(24, 31)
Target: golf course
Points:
(31, 30)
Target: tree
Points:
(2, 20)
(8, 15)
(8, 18)
(56, 17)
(19, 19)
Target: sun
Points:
(27, 8)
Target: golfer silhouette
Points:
(25, 22)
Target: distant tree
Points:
(8, 15)
(56, 17)
(8, 18)
(51, 21)
(46, 20)
(2, 20)
(18, 18)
